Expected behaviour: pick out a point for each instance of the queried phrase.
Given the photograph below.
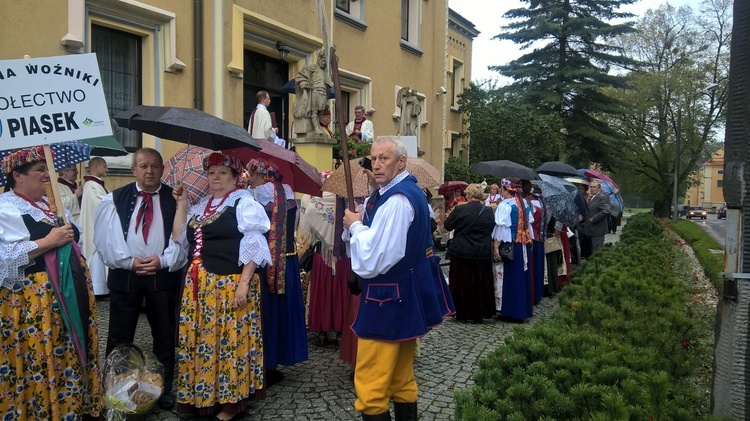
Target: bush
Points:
(702, 244)
(617, 349)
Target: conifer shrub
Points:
(617, 349)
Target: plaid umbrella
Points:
(186, 166)
(426, 174)
(66, 154)
(300, 175)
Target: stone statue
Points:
(312, 86)
(410, 110)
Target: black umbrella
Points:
(289, 88)
(186, 125)
(557, 168)
(504, 168)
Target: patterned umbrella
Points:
(186, 166)
(66, 154)
(559, 201)
(426, 174)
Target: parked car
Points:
(722, 213)
(681, 210)
(696, 212)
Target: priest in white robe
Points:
(93, 191)
(70, 191)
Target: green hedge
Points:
(702, 243)
(617, 349)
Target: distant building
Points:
(707, 191)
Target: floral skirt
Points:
(41, 377)
(220, 351)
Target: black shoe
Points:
(166, 401)
(385, 416)
(273, 377)
(405, 411)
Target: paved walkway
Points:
(321, 389)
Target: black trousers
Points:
(161, 312)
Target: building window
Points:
(456, 81)
(405, 20)
(721, 172)
(120, 62)
(343, 5)
(719, 183)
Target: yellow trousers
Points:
(385, 371)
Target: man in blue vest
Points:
(133, 231)
(403, 291)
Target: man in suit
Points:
(133, 235)
(597, 225)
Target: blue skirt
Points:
(283, 315)
(517, 285)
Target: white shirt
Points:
(69, 201)
(261, 125)
(377, 248)
(252, 222)
(117, 253)
(366, 130)
(15, 239)
(502, 232)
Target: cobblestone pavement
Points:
(321, 388)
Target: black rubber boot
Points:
(384, 416)
(405, 411)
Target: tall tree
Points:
(569, 65)
(680, 85)
(502, 128)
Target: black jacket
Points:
(472, 238)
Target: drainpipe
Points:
(198, 53)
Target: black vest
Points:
(221, 241)
(122, 280)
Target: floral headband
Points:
(218, 158)
(22, 157)
(507, 184)
(243, 179)
(325, 175)
(270, 172)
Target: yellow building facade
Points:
(216, 55)
(707, 190)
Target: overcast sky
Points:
(486, 15)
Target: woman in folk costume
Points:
(512, 279)
(220, 351)
(320, 219)
(494, 196)
(284, 330)
(539, 228)
(49, 364)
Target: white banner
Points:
(51, 99)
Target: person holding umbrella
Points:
(220, 348)
(49, 367)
